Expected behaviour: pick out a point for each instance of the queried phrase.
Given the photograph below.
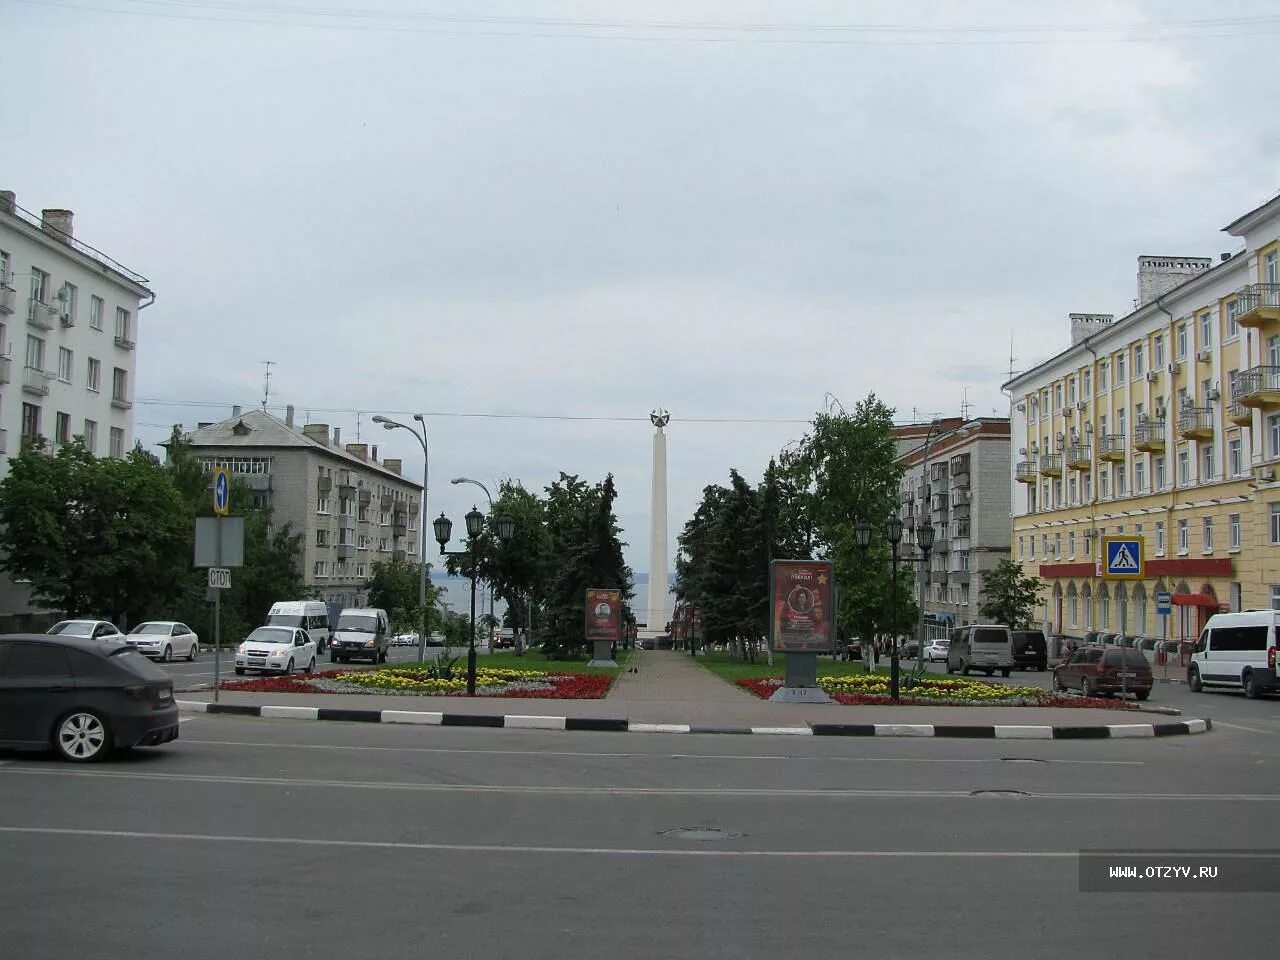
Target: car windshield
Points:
(74, 628)
(286, 620)
(1128, 657)
(987, 636)
(161, 629)
(275, 635)
(358, 623)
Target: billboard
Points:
(801, 611)
(603, 615)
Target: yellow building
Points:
(1164, 424)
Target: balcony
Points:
(1148, 436)
(1196, 423)
(1258, 305)
(1080, 456)
(366, 497)
(36, 382)
(386, 501)
(7, 298)
(42, 316)
(1239, 414)
(347, 490)
(1051, 464)
(1111, 446)
(398, 555)
(324, 485)
(346, 551)
(1025, 472)
(122, 403)
(941, 544)
(1259, 387)
(399, 529)
(258, 482)
(960, 478)
(4, 440)
(5, 364)
(413, 508)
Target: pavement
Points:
(667, 689)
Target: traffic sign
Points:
(1122, 558)
(219, 578)
(221, 491)
(1164, 603)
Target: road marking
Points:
(1237, 726)
(633, 756)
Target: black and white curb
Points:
(622, 725)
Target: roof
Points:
(258, 430)
(30, 224)
(966, 432)
(1247, 222)
(80, 643)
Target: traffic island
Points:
(874, 689)
(419, 680)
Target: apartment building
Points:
(957, 478)
(351, 509)
(1164, 423)
(68, 328)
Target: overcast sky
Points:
(589, 210)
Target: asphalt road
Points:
(297, 839)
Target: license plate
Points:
(257, 663)
(1126, 676)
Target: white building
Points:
(68, 328)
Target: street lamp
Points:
(924, 540)
(389, 424)
(457, 480)
(475, 524)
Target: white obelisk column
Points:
(656, 619)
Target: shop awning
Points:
(1195, 600)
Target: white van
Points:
(982, 646)
(362, 633)
(1237, 651)
(311, 615)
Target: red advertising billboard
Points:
(802, 611)
(604, 615)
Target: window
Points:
(5, 267)
(1121, 472)
(1121, 366)
(94, 378)
(1273, 435)
(1086, 488)
(35, 353)
(1102, 377)
(116, 443)
(1086, 385)
(1044, 403)
(322, 505)
(1122, 423)
(1158, 479)
(30, 420)
(37, 660)
(95, 312)
(1206, 330)
(1139, 360)
(1071, 390)
(1275, 523)
(1104, 603)
(62, 427)
(1206, 463)
(1180, 346)
(1057, 548)
(1140, 475)
(1071, 544)
(1271, 267)
(320, 569)
(1104, 484)
(65, 359)
(1184, 467)
(1233, 311)
(119, 384)
(1184, 537)
(1088, 545)
(1207, 534)
(39, 285)
(123, 324)
(1157, 352)
(1057, 397)
(91, 436)
(1233, 525)
(1044, 545)
(1073, 492)
(322, 538)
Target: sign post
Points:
(219, 546)
(801, 624)
(603, 616)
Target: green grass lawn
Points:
(533, 660)
(727, 668)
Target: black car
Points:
(1030, 651)
(82, 697)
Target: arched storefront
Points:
(1139, 602)
(1073, 606)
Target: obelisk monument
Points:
(656, 617)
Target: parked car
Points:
(1030, 650)
(404, 640)
(986, 647)
(311, 615)
(81, 696)
(90, 629)
(362, 633)
(1105, 671)
(909, 650)
(853, 650)
(1237, 651)
(164, 640)
(279, 649)
(435, 639)
(936, 651)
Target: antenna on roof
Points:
(266, 383)
(357, 426)
(964, 403)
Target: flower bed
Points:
(415, 681)
(940, 691)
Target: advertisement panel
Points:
(604, 615)
(802, 614)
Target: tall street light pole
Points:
(457, 480)
(390, 424)
(475, 524)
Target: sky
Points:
(535, 222)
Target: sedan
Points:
(276, 649)
(82, 697)
(90, 629)
(164, 640)
(937, 650)
(404, 640)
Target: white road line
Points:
(578, 851)
(1237, 726)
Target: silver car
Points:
(164, 640)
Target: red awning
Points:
(1195, 600)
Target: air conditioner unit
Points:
(68, 320)
(1081, 404)
(1152, 376)
(1022, 408)
(1267, 475)
(1212, 394)
(1175, 367)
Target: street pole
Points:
(422, 554)
(471, 652)
(893, 605)
(217, 643)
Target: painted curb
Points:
(622, 725)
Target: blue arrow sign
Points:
(221, 491)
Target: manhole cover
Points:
(999, 794)
(702, 834)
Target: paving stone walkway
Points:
(665, 676)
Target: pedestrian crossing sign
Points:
(1122, 558)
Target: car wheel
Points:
(990, 673)
(1057, 682)
(193, 652)
(239, 671)
(964, 670)
(167, 656)
(333, 658)
(82, 737)
(1193, 680)
(1005, 673)
(1142, 694)
(1250, 685)
(1086, 688)
(288, 668)
(311, 666)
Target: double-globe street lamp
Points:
(390, 424)
(893, 534)
(457, 480)
(475, 524)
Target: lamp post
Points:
(475, 524)
(893, 534)
(389, 424)
(457, 480)
(924, 540)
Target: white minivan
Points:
(311, 615)
(1237, 651)
(981, 646)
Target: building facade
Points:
(351, 509)
(956, 476)
(68, 331)
(1164, 424)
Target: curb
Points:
(623, 725)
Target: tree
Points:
(1010, 596)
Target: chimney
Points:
(1087, 324)
(374, 455)
(56, 222)
(319, 432)
(1159, 275)
(235, 411)
(337, 436)
(360, 450)
(288, 415)
(392, 465)
(7, 200)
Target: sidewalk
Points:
(668, 688)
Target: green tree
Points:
(1010, 596)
